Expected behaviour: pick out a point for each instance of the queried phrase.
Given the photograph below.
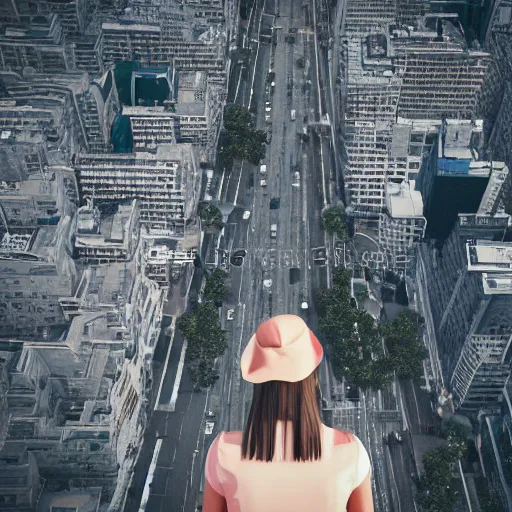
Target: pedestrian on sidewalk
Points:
(286, 459)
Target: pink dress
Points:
(324, 485)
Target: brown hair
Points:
(278, 400)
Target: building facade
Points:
(164, 182)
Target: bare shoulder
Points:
(341, 437)
(234, 437)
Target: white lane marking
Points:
(393, 477)
(238, 83)
(198, 439)
(149, 478)
(179, 373)
(256, 58)
(166, 364)
(238, 184)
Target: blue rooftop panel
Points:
(453, 167)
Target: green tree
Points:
(361, 293)
(404, 345)
(206, 340)
(491, 502)
(215, 288)
(435, 487)
(210, 215)
(354, 340)
(187, 324)
(239, 139)
(237, 118)
(457, 441)
(203, 373)
(335, 222)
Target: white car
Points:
(231, 314)
(209, 428)
(263, 183)
(296, 177)
(246, 215)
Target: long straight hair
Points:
(296, 402)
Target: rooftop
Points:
(497, 284)
(35, 186)
(15, 242)
(485, 256)
(76, 501)
(93, 229)
(403, 200)
(107, 284)
(134, 27)
(191, 93)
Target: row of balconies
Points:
(132, 182)
(117, 171)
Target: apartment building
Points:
(421, 72)
(455, 152)
(193, 117)
(152, 126)
(484, 365)
(161, 261)
(456, 300)
(35, 271)
(402, 225)
(466, 299)
(79, 403)
(363, 17)
(41, 200)
(439, 74)
(166, 183)
(61, 112)
(40, 45)
(206, 13)
(107, 238)
(152, 45)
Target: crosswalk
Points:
(269, 259)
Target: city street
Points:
(276, 78)
(262, 286)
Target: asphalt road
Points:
(270, 259)
(300, 238)
(178, 473)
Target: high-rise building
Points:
(467, 299)
(165, 182)
(107, 238)
(401, 226)
(193, 117)
(152, 45)
(421, 72)
(80, 401)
